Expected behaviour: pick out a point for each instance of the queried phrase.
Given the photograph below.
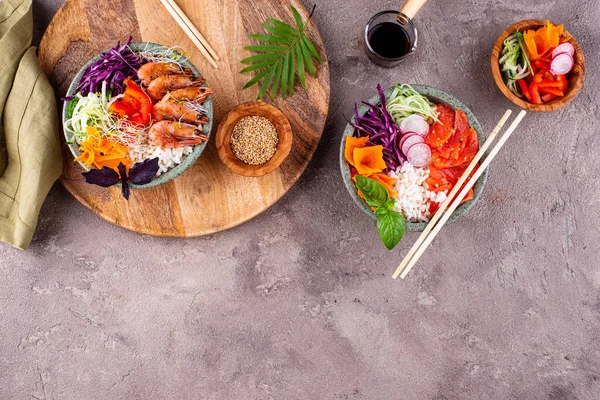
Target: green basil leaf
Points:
(376, 195)
(391, 227)
(381, 211)
(389, 205)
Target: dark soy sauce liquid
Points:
(389, 40)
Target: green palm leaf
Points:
(284, 52)
(283, 26)
(285, 75)
(282, 33)
(257, 78)
(276, 79)
(267, 48)
(270, 39)
(300, 62)
(266, 83)
(298, 19)
(311, 48)
(259, 65)
(307, 59)
(291, 75)
(260, 57)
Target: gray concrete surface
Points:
(299, 303)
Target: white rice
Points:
(167, 158)
(412, 198)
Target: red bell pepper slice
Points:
(524, 89)
(563, 80)
(535, 94)
(554, 91)
(122, 108)
(541, 64)
(140, 99)
(548, 97)
(135, 105)
(549, 84)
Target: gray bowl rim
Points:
(187, 161)
(436, 96)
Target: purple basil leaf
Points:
(143, 172)
(124, 183)
(104, 177)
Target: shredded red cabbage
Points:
(378, 124)
(115, 65)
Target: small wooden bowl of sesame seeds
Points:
(254, 139)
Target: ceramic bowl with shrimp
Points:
(141, 105)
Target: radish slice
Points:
(404, 137)
(419, 155)
(415, 123)
(409, 142)
(564, 48)
(561, 64)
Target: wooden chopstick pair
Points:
(453, 200)
(193, 33)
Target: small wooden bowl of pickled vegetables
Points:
(538, 65)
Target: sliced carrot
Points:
(351, 144)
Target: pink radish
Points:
(415, 123)
(404, 137)
(419, 155)
(564, 48)
(409, 142)
(561, 64)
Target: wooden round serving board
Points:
(208, 197)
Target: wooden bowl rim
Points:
(249, 108)
(579, 61)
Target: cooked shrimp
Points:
(166, 83)
(152, 70)
(167, 134)
(177, 111)
(195, 94)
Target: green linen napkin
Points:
(30, 154)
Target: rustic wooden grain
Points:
(576, 77)
(260, 108)
(208, 197)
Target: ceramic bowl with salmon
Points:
(416, 146)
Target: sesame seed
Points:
(254, 140)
